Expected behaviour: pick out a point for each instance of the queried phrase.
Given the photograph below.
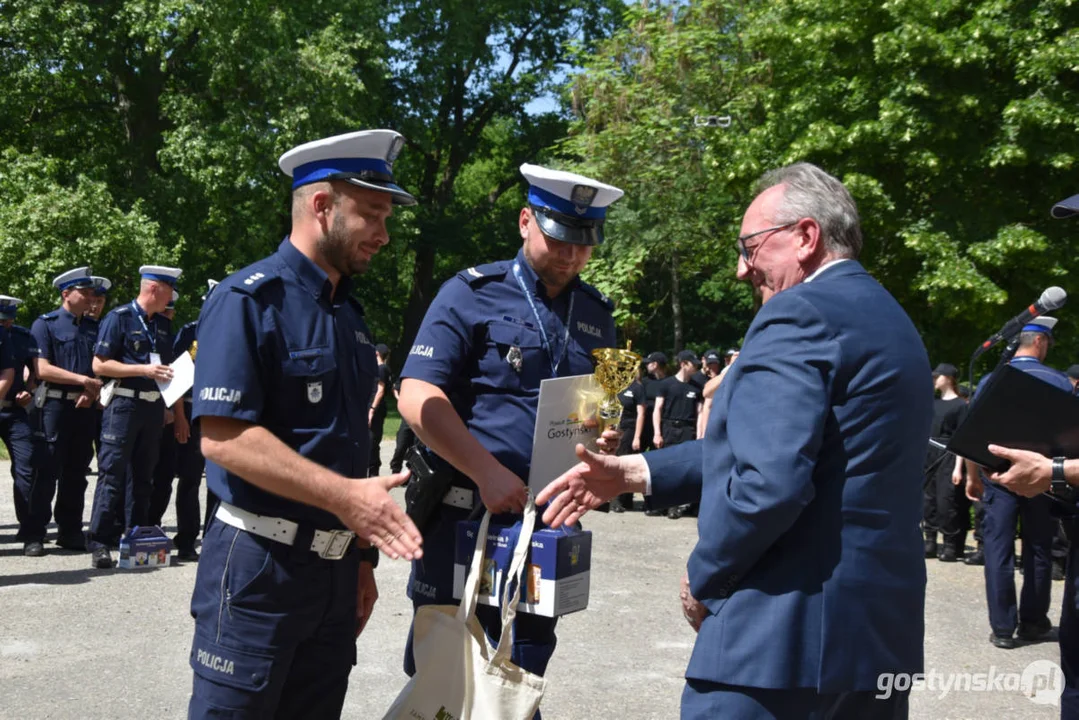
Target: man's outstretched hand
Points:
(589, 484)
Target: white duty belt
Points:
(328, 544)
(61, 395)
(147, 395)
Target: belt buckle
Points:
(338, 545)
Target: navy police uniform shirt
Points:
(128, 335)
(23, 351)
(277, 350)
(67, 342)
(487, 347)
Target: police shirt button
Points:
(256, 678)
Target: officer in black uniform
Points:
(678, 404)
(405, 437)
(66, 340)
(946, 507)
(376, 415)
(284, 370)
(633, 410)
(24, 440)
(655, 365)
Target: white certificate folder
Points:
(564, 405)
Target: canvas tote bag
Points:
(459, 676)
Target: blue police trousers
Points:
(431, 582)
(130, 438)
(69, 437)
(703, 700)
(1002, 511)
(275, 628)
(29, 473)
(184, 460)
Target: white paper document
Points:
(183, 378)
(564, 405)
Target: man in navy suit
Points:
(808, 568)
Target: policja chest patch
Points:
(314, 392)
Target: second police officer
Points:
(134, 348)
(470, 385)
(66, 340)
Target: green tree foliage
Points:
(953, 124)
(50, 223)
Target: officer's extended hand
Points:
(366, 595)
(23, 398)
(84, 400)
(1029, 475)
(370, 512)
(162, 373)
(502, 491)
(692, 609)
(584, 487)
(91, 385)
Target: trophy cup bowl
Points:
(616, 369)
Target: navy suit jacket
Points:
(809, 557)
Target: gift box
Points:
(556, 572)
(145, 547)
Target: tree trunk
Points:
(676, 302)
(419, 298)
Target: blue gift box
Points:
(145, 547)
(556, 576)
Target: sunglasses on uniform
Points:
(746, 251)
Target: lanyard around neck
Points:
(150, 335)
(555, 362)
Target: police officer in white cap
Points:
(66, 340)
(471, 381)
(101, 296)
(283, 370)
(134, 348)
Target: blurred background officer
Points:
(713, 367)
(283, 373)
(405, 437)
(631, 423)
(946, 506)
(1003, 509)
(731, 355)
(25, 447)
(100, 297)
(134, 346)
(66, 341)
(1073, 375)
(678, 407)
(180, 455)
(376, 414)
(655, 365)
(471, 382)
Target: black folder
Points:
(1016, 409)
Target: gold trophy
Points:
(616, 369)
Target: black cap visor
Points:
(1066, 208)
(561, 227)
(371, 180)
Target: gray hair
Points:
(811, 192)
(1027, 339)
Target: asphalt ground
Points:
(83, 643)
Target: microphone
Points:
(1052, 299)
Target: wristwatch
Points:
(1057, 484)
(369, 555)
